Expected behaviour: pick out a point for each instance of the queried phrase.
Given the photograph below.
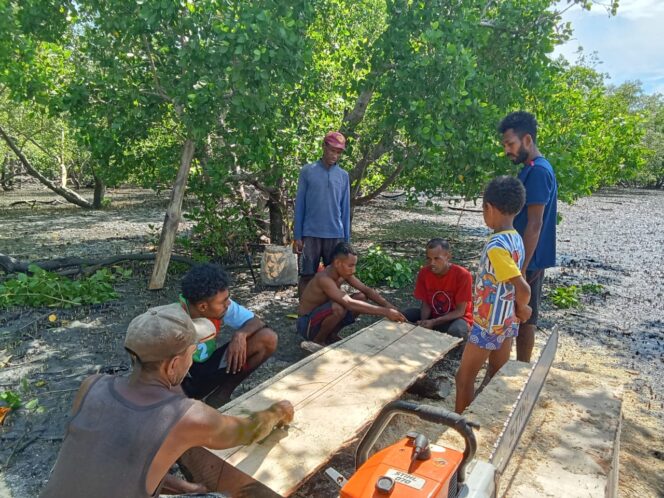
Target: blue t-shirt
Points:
(235, 317)
(539, 180)
(322, 205)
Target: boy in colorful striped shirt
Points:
(501, 292)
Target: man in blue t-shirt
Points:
(322, 209)
(220, 366)
(536, 222)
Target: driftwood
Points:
(466, 210)
(13, 265)
(75, 265)
(35, 201)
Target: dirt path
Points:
(614, 238)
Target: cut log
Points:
(172, 219)
(336, 392)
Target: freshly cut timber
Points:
(336, 392)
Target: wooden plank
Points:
(490, 409)
(336, 392)
(569, 448)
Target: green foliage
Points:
(418, 88)
(11, 399)
(43, 288)
(570, 296)
(592, 288)
(566, 297)
(652, 109)
(220, 232)
(377, 268)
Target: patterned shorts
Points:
(492, 342)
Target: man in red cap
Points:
(322, 208)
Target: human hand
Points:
(236, 354)
(394, 315)
(286, 411)
(523, 312)
(298, 246)
(427, 324)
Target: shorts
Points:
(491, 342)
(314, 249)
(308, 325)
(205, 377)
(535, 279)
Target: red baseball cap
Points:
(335, 139)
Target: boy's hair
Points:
(505, 193)
(203, 282)
(438, 242)
(342, 250)
(521, 122)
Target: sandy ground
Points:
(613, 238)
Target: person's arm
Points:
(425, 311)
(237, 347)
(458, 312)
(522, 298)
(371, 294)
(300, 206)
(329, 287)
(532, 231)
(345, 209)
(205, 426)
(505, 269)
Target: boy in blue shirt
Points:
(218, 369)
(536, 221)
(501, 293)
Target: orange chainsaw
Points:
(415, 468)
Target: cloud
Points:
(629, 45)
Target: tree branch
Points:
(358, 201)
(70, 195)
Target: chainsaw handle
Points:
(423, 412)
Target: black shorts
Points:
(314, 249)
(205, 377)
(535, 279)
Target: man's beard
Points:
(521, 156)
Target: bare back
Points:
(319, 291)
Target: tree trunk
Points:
(69, 195)
(100, 192)
(63, 166)
(277, 229)
(172, 218)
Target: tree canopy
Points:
(235, 96)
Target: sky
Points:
(629, 45)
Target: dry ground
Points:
(614, 238)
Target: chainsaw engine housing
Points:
(434, 477)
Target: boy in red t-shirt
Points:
(445, 292)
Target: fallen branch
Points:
(13, 265)
(35, 201)
(75, 265)
(467, 210)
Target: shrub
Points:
(379, 268)
(43, 288)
